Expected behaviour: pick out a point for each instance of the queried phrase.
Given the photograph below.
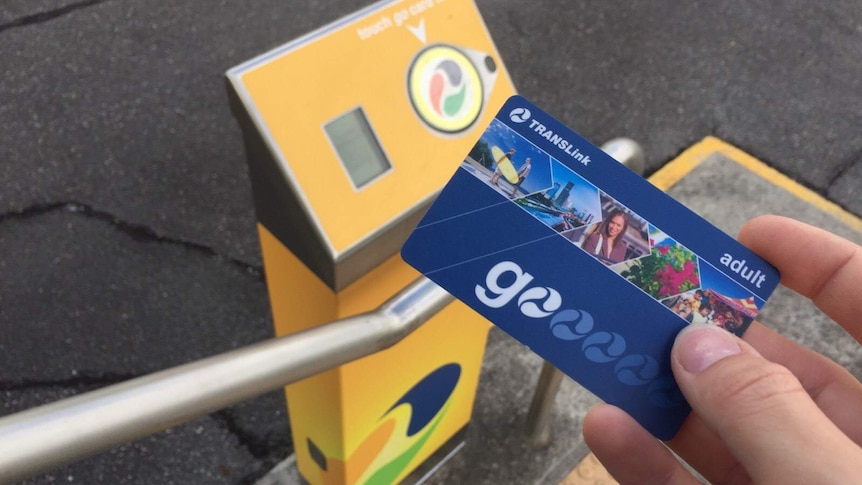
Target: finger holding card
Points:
(827, 269)
(743, 422)
(835, 391)
(813, 432)
(814, 263)
(628, 451)
(761, 411)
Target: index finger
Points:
(815, 263)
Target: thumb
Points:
(760, 411)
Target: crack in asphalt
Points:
(138, 232)
(266, 454)
(40, 17)
(255, 446)
(846, 165)
(85, 381)
(259, 447)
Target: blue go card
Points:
(584, 261)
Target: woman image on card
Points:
(605, 239)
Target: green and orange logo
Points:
(445, 88)
(400, 434)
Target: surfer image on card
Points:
(584, 261)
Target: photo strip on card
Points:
(610, 232)
(508, 163)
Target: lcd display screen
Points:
(357, 147)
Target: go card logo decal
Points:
(400, 434)
(506, 280)
(445, 89)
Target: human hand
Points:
(765, 410)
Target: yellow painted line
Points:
(590, 471)
(674, 171)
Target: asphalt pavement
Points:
(127, 231)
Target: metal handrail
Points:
(40, 439)
(43, 438)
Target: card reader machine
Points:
(350, 132)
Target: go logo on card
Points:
(571, 324)
(507, 280)
(604, 347)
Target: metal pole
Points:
(628, 152)
(48, 436)
(538, 417)
(538, 426)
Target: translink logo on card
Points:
(583, 261)
(519, 115)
